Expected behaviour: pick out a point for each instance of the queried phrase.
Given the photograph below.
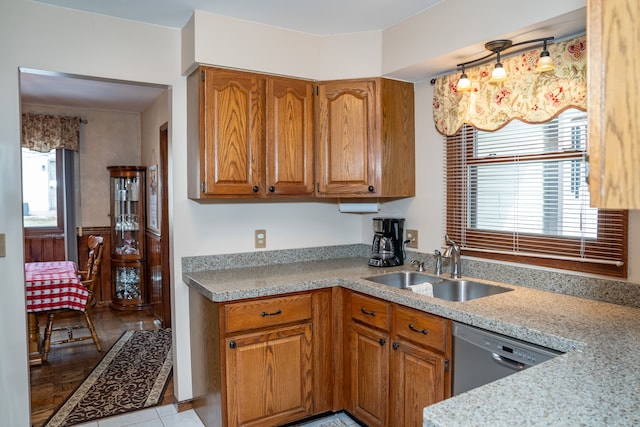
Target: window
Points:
(520, 194)
(42, 191)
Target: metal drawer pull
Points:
(369, 313)
(422, 331)
(275, 313)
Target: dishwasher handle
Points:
(508, 363)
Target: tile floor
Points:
(335, 420)
(161, 416)
(168, 416)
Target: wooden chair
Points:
(89, 277)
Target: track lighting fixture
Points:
(499, 74)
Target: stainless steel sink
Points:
(448, 289)
(465, 290)
(404, 279)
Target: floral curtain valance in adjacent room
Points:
(43, 132)
(526, 95)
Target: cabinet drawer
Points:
(370, 311)
(268, 312)
(421, 328)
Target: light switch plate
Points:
(412, 237)
(260, 239)
(3, 245)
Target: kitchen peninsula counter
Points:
(597, 381)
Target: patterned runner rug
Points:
(132, 375)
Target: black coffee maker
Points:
(387, 248)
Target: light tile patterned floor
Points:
(337, 420)
(168, 416)
(162, 416)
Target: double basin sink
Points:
(448, 289)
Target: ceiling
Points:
(309, 16)
(321, 17)
(46, 88)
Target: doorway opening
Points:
(121, 123)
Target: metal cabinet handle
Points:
(368, 313)
(275, 313)
(232, 344)
(396, 345)
(371, 189)
(272, 189)
(382, 341)
(421, 331)
(256, 188)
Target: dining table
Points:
(50, 285)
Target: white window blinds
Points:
(520, 194)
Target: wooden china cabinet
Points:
(128, 258)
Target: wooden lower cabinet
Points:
(397, 361)
(417, 380)
(261, 362)
(369, 389)
(275, 360)
(269, 376)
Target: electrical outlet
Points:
(261, 239)
(412, 237)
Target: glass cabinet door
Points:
(128, 237)
(126, 215)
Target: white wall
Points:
(219, 40)
(57, 39)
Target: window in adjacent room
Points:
(42, 194)
(520, 194)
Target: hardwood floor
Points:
(69, 364)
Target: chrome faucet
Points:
(453, 252)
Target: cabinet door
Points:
(231, 132)
(369, 389)
(417, 380)
(289, 118)
(269, 376)
(347, 138)
(614, 152)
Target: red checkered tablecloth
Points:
(54, 285)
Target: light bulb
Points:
(545, 63)
(464, 84)
(499, 74)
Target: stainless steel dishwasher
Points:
(480, 357)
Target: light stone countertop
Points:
(596, 383)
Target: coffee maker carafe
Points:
(386, 249)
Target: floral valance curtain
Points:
(526, 95)
(43, 132)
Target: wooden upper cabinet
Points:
(250, 135)
(231, 132)
(253, 135)
(365, 138)
(614, 109)
(289, 157)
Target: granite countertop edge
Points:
(575, 388)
